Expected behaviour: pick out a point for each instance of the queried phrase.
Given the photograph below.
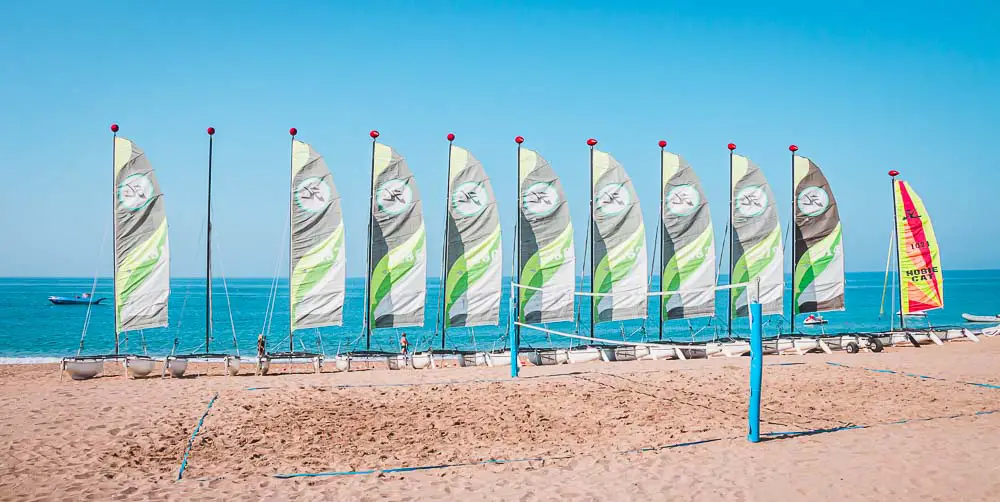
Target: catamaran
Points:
(471, 258)
(544, 282)
(755, 248)
(316, 247)
(687, 248)
(177, 364)
(396, 280)
(141, 260)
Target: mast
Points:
(663, 144)
(114, 230)
(593, 239)
(732, 243)
(516, 342)
(794, 309)
(208, 249)
(368, 271)
(895, 226)
(444, 246)
(291, 266)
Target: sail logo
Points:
(394, 196)
(911, 214)
(813, 201)
(682, 200)
(135, 192)
(540, 199)
(751, 201)
(312, 194)
(470, 198)
(612, 199)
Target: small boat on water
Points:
(981, 318)
(84, 299)
(813, 320)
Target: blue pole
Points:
(514, 342)
(756, 369)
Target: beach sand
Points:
(111, 438)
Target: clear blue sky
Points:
(860, 88)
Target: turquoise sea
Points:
(31, 327)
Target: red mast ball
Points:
(211, 131)
(451, 137)
(519, 140)
(591, 141)
(373, 134)
(114, 127)
(663, 144)
(732, 146)
(293, 131)
(894, 173)
(793, 148)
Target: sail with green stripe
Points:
(142, 253)
(688, 243)
(757, 245)
(620, 280)
(398, 270)
(546, 256)
(317, 242)
(472, 254)
(818, 275)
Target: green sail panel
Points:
(688, 243)
(546, 256)
(818, 278)
(757, 248)
(473, 259)
(317, 243)
(398, 272)
(620, 279)
(142, 254)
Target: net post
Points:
(515, 341)
(756, 369)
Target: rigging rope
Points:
(93, 288)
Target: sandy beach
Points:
(577, 431)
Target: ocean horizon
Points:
(34, 330)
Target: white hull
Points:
(631, 352)
(547, 357)
(396, 362)
(727, 349)
(499, 358)
(342, 363)
(176, 367)
(83, 370)
(584, 355)
(473, 359)
(421, 360)
(232, 365)
(657, 352)
(139, 366)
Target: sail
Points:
(757, 248)
(818, 276)
(688, 243)
(142, 255)
(472, 255)
(318, 258)
(398, 271)
(920, 276)
(546, 258)
(619, 244)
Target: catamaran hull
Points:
(421, 360)
(499, 358)
(547, 357)
(176, 367)
(631, 352)
(83, 370)
(139, 366)
(584, 355)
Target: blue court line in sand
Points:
(187, 451)
(914, 375)
(492, 461)
(771, 435)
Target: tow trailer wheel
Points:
(852, 348)
(876, 345)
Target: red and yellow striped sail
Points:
(919, 259)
